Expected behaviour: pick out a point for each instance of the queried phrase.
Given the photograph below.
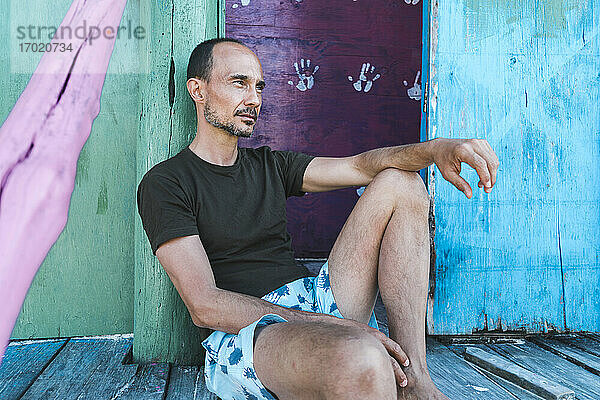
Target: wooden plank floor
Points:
(475, 367)
(488, 366)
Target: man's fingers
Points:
(398, 373)
(486, 152)
(459, 183)
(493, 162)
(478, 154)
(481, 166)
(396, 351)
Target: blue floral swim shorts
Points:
(229, 366)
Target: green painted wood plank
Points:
(524, 76)
(85, 285)
(456, 378)
(187, 382)
(556, 369)
(163, 328)
(23, 362)
(86, 367)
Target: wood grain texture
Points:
(43, 136)
(517, 391)
(556, 369)
(457, 378)
(582, 342)
(163, 328)
(571, 353)
(524, 76)
(23, 362)
(188, 383)
(85, 284)
(518, 375)
(332, 118)
(89, 368)
(148, 383)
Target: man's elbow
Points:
(361, 175)
(203, 310)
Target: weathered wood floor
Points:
(487, 366)
(563, 366)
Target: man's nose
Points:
(252, 98)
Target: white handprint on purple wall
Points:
(306, 78)
(358, 85)
(414, 92)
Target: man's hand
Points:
(397, 355)
(448, 154)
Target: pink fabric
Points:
(41, 141)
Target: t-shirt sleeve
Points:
(164, 209)
(292, 164)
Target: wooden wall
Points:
(163, 329)
(525, 76)
(85, 284)
(336, 116)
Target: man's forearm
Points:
(408, 157)
(229, 311)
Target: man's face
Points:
(234, 90)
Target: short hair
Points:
(201, 59)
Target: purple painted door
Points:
(343, 77)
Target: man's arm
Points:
(185, 261)
(329, 173)
(187, 265)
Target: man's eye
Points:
(239, 82)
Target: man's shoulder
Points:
(266, 152)
(263, 155)
(169, 169)
(260, 151)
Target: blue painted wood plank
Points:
(89, 368)
(187, 382)
(457, 378)
(23, 362)
(148, 383)
(524, 76)
(556, 369)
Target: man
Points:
(215, 217)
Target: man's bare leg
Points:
(384, 245)
(322, 361)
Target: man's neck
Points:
(216, 148)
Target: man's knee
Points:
(407, 186)
(359, 365)
(302, 359)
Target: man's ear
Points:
(196, 89)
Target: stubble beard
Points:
(228, 126)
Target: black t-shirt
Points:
(238, 211)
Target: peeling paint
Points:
(549, 18)
(524, 76)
